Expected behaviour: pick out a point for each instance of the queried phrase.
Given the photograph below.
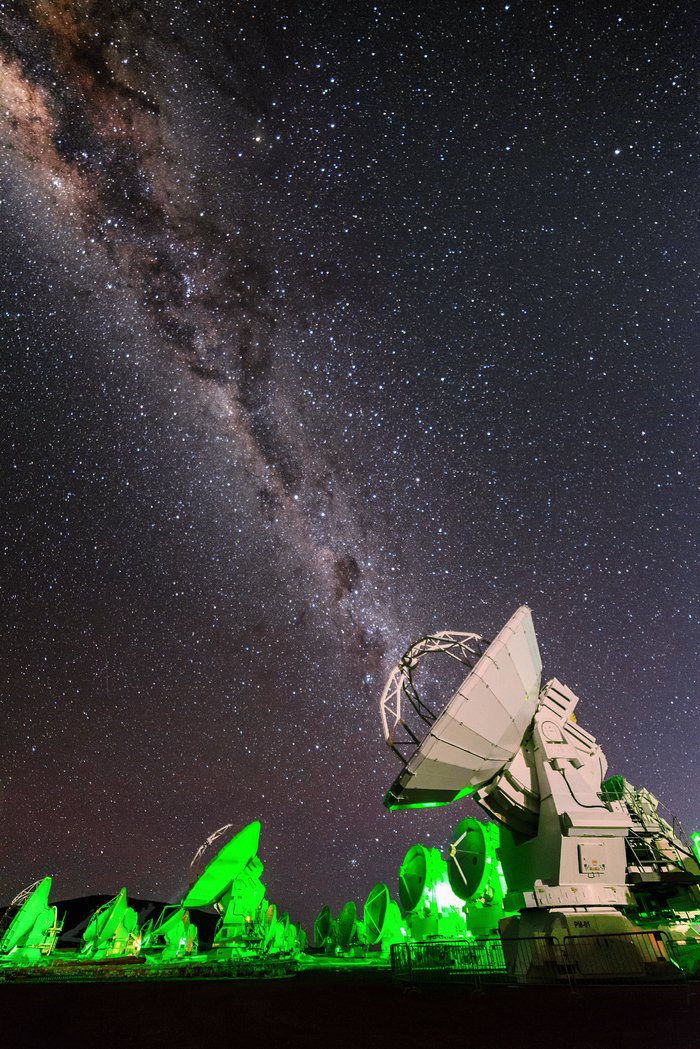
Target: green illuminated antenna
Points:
(427, 899)
(269, 922)
(171, 933)
(224, 868)
(695, 841)
(33, 929)
(382, 918)
(112, 930)
(146, 933)
(230, 883)
(476, 875)
(323, 927)
(173, 919)
(290, 940)
(302, 941)
(375, 912)
(280, 933)
(413, 877)
(346, 927)
(104, 922)
(423, 879)
(472, 866)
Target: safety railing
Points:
(625, 957)
(473, 961)
(635, 957)
(536, 960)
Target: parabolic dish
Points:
(413, 875)
(472, 860)
(482, 726)
(269, 921)
(280, 932)
(172, 918)
(322, 926)
(222, 871)
(375, 911)
(106, 920)
(130, 920)
(27, 916)
(347, 924)
(290, 936)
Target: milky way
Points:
(88, 111)
(323, 329)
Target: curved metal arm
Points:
(465, 648)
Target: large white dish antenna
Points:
(480, 729)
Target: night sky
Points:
(324, 326)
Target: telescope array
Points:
(565, 853)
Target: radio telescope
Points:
(382, 920)
(173, 934)
(324, 930)
(30, 925)
(348, 930)
(112, 931)
(431, 907)
(567, 846)
(480, 729)
(198, 862)
(230, 883)
(476, 875)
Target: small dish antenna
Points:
(382, 918)
(423, 881)
(280, 935)
(375, 912)
(476, 875)
(323, 927)
(112, 930)
(290, 940)
(300, 936)
(347, 926)
(427, 900)
(173, 932)
(473, 864)
(269, 922)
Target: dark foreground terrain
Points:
(343, 1010)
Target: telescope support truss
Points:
(467, 649)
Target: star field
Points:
(322, 329)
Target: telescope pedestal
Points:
(237, 932)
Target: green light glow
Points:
(419, 805)
(444, 903)
(432, 804)
(695, 840)
(30, 934)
